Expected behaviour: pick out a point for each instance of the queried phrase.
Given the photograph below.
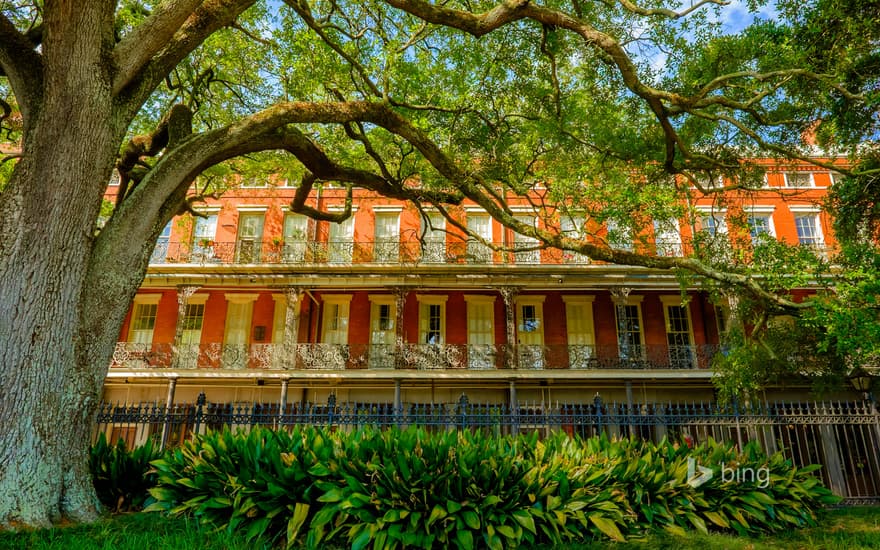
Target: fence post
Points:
(462, 411)
(169, 402)
(331, 409)
(514, 409)
(397, 413)
(282, 402)
(200, 405)
(597, 401)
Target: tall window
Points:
(573, 227)
(387, 241)
(432, 319)
(250, 237)
(579, 326)
(341, 241)
(759, 224)
(336, 321)
(481, 332)
(678, 336)
(204, 233)
(143, 320)
(526, 247)
(667, 237)
(480, 224)
(629, 331)
(619, 235)
(160, 252)
(530, 332)
(382, 333)
(713, 224)
(434, 239)
(295, 235)
(192, 324)
(808, 231)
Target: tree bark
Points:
(49, 386)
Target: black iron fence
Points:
(844, 437)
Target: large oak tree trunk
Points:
(51, 367)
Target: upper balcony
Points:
(248, 252)
(410, 357)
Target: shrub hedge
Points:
(121, 476)
(394, 488)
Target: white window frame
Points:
(760, 212)
(788, 175)
(340, 300)
(424, 301)
(809, 212)
(139, 301)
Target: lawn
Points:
(840, 529)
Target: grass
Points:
(840, 529)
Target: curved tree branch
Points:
(22, 65)
(148, 38)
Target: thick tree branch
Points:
(208, 17)
(148, 38)
(22, 65)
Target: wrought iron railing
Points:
(408, 356)
(842, 436)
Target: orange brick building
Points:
(253, 303)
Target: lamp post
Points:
(861, 380)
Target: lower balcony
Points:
(309, 356)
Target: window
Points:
(434, 239)
(526, 251)
(530, 331)
(387, 244)
(714, 224)
(667, 238)
(808, 230)
(619, 236)
(192, 324)
(481, 332)
(336, 320)
(341, 241)
(479, 224)
(678, 334)
(708, 180)
(579, 325)
(759, 224)
(204, 233)
(382, 333)
(250, 237)
(573, 227)
(160, 252)
(798, 179)
(629, 331)
(143, 319)
(432, 319)
(254, 181)
(295, 235)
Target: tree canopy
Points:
(618, 108)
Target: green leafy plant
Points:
(394, 488)
(122, 477)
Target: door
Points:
(340, 241)
(525, 247)
(236, 338)
(581, 340)
(295, 234)
(481, 334)
(387, 242)
(191, 336)
(530, 335)
(382, 335)
(204, 233)
(481, 225)
(250, 238)
(434, 239)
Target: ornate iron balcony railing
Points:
(408, 356)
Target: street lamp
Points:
(861, 380)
